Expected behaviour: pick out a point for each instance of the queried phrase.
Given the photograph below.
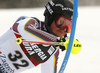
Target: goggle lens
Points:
(63, 22)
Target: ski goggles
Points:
(63, 22)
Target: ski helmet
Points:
(57, 7)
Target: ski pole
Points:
(76, 45)
(19, 41)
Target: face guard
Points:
(63, 22)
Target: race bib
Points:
(12, 58)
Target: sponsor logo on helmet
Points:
(52, 3)
(64, 8)
(49, 9)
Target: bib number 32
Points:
(15, 57)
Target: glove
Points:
(76, 47)
(61, 40)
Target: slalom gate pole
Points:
(65, 61)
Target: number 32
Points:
(15, 57)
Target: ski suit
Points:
(15, 58)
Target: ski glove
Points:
(61, 40)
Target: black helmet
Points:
(57, 7)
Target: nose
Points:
(65, 29)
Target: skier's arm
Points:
(30, 29)
(26, 27)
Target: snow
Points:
(87, 31)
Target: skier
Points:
(15, 58)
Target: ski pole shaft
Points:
(19, 41)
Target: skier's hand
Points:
(76, 47)
(61, 40)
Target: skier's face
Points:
(61, 25)
(59, 32)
